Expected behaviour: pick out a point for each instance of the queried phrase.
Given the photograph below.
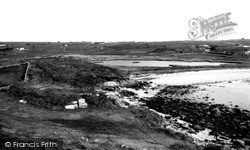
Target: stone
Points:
(110, 84)
(243, 128)
(23, 101)
(198, 127)
(95, 140)
(248, 123)
(184, 126)
(168, 117)
(216, 112)
(71, 106)
(238, 144)
(74, 104)
(247, 142)
(237, 111)
(210, 125)
(82, 103)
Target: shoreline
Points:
(174, 118)
(217, 140)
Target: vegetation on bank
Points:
(56, 99)
(82, 76)
(49, 98)
(77, 73)
(100, 100)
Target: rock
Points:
(216, 112)
(82, 103)
(198, 127)
(109, 88)
(96, 140)
(245, 111)
(125, 146)
(134, 84)
(247, 142)
(248, 124)
(210, 125)
(168, 117)
(202, 123)
(113, 96)
(238, 144)
(23, 101)
(110, 84)
(74, 104)
(71, 106)
(237, 111)
(243, 127)
(127, 93)
(121, 103)
(184, 126)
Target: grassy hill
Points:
(124, 48)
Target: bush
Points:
(100, 101)
(137, 85)
(49, 98)
(84, 79)
(74, 72)
(127, 93)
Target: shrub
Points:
(127, 93)
(137, 85)
(100, 101)
(74, 72)
(46, 99)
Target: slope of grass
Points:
(77, 73)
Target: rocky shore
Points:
(116, 115)
(229, 125)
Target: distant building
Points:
(22, 49)
(4, 47)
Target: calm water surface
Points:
(156, 63)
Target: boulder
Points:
(82, 103)
(247, 142)
(23, 101)
(71, 106)
(110, 84)
(198, 127)
(74, 104)
(216, 112)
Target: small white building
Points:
(5, 47)
(22, 49)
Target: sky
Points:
(114, 20)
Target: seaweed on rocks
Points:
(222, 120)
